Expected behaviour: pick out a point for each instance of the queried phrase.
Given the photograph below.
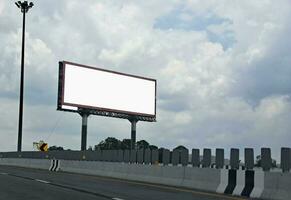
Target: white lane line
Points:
(42, 181)
(117, 198)
(2, 173)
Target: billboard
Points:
(105, 92)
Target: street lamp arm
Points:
(18, 5)
(24, 6)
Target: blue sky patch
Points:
(184, 19)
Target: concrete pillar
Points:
(140, 156)
(165, 156)
(206, 161)
(285, 159)
(126, 157)
(133, 155)
(175, 157)
(101, 155)
(184, 154)
(111, 156)
(147, 156)
(234, 158)
(249, 158)
(219, 158)
(115, 156)
(98, 155)
(195, 158)
(107, 155)
(155, 156)
(266, 160)
(120, 155)
(104, 155)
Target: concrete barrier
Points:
(219, 158)
(285, 159)
(172, 175)
(25, 162)
(206, 161)
(147, 156)
(184, 157)
(259, 184)
(266, 160)
(277, 186)
(249, 158)
(240, 182)
(267, 185)
(195, 160)
(223, 181)
(165, 156)
(140, 156)
(155, 156)
(201, 178)
(234, 158)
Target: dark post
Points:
(24, 6)
(84, 131)
(249, 158)
(234, 158)
(133, 133)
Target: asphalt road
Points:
(28, 184)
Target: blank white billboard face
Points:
(94, 88)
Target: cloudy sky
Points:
(223, 69)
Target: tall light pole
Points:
(24, 7)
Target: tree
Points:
(180, 147)
(142, 144)
(55, 148)
(259, 162)
(152, 147)
(115, 144)
(109, 143)
(125, 144)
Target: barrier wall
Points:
(277, 186)
(166, 157)
(174, 168)
(252, 183)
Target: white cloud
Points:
(206, 92)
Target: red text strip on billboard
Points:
(99, 89)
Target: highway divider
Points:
(259, 184)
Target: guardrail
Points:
(166, 157)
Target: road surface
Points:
(18, 183)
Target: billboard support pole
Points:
(84, 131)
(133, 122)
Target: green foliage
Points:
(114, 144)
(142, 144)
(258, 162)
(152, 147)
(55, 148)
(109, 143)
(180, 147)
(125, 144)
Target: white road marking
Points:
(2, 173)
(116, 198)
(42, 181)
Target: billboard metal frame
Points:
(107, 112)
